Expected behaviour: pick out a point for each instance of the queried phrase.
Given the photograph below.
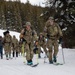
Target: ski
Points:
(57, 63)
(34, 65)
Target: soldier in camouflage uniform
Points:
(53, 33)
(7, 40)
(15, 44)
(28, 37)
(41, 43)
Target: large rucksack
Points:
(52, 33)
(59, 31)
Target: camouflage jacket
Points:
(7, 40)
(53, 31)
(28, 36)
(15, 42)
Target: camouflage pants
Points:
(7, 49)
(23, 48)
(29, 51)
(43, 46)
(50, 45)
(20, 49)
(15, 49)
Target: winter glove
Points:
(35, 50)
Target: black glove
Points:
(35, 50)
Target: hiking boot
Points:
(31, 62)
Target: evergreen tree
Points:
(14, 15)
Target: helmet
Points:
(28, 23)
(6, 32)
(51, 18)
(41, 33)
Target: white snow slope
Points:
(17, 67)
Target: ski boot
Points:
(54, 59)
(29, 62)
(39, 56)
(50, 62)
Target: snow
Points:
(16, 66)
(64, 29)
(41, 14)
(11, 32)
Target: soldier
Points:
(27, 36)
(15, 44)
(53, 33)
(1, 47)
(7, 40)
(41, 43)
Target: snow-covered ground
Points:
(11, 32)
(17, 67)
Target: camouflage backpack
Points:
(53, 31)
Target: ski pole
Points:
(45, 58)
(37, 55)
(63, 54)
(37, 58)
(23, 51)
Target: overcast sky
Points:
(35, 2)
